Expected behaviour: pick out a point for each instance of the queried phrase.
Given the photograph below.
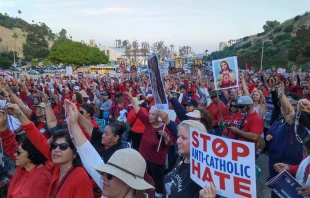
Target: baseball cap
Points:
(244, 100)
(183, 86)
(192, 102)
(214, 93)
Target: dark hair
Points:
(35, 156)
(119, 95)
(79, 98)
(64, 133)
(89, 108)
(228, 68)
(306, 142)
(206, 119)
(116, 129)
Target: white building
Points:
(113, 52)
(222, 45)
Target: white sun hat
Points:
(127, 165)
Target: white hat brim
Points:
(134, 182)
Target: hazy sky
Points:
(201, 24)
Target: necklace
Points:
(175, 171)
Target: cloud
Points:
(8, 4)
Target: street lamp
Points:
(262, 56)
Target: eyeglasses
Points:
(81, 112)
(234, 106)
(62, 146)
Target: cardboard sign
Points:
(281, 71)
(80, 75)
(228, 163)
(225, 73)
(157, 84)
(58, 75)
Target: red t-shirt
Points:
(296, 89)
(136, 124)
(215, 112)
(253, 123)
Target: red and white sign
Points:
(229, 164)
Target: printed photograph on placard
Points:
(198, 62)
(133, 66)
(171, 67)
(179, 63)
(122, 63)
(225, 73)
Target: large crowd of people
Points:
(103, 136)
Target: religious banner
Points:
(171, 67)
(133, 67)
(179, 64)
(225, 73)
(157, 84)
(198, 62)
(228, 163)
(122, 63)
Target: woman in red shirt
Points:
(77, 99)
(69, 179)
(153, 132)
(33, 175)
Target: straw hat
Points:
(136, 101)
(84, 94)
(194, 114)
(127, 165)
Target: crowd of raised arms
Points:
(102, 137)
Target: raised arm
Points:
(8, 138)
(16, 100)
(51, 119)
(34, 135)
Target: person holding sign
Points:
(155, 141)
(178, 182)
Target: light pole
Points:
(262, 56)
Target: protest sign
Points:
(157, 84)
(80, 75)
(68, 71)
(228, 163)
(225, 73)
(58, 75)
(281, 71)
(133, 67)
(122, 63)
(171, 67)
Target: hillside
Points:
(285, 44)
(8, 42)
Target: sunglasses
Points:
(81, 112)
(62, 146)
(240, 106)
(109, 176)
(234, 106)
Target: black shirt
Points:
(179, 184)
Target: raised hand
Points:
(14, 110)
(71, 111)
(164, 116)
(208, 192)
(2, 120)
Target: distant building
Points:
(222, 45)
(92, 43)
(113, 52)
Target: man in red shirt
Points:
(218, 110)
(247, 125)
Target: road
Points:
(262, 190)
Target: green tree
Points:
(63, 33)
(34, 62)
(125, 44)
(135, 49)
(15, 36)
(76, 54)
(270, 25)
(5, 61)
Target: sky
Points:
(201, 24)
